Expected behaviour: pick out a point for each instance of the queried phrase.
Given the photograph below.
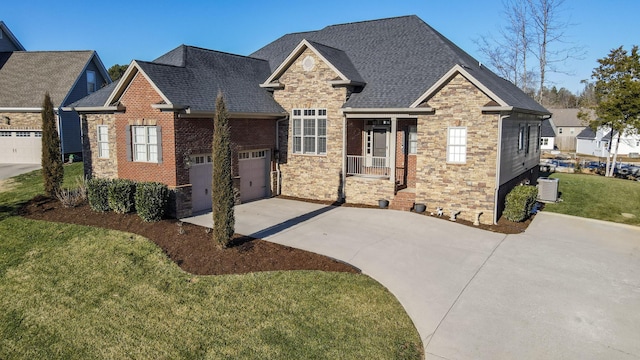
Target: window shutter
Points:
(159, 139)
(128, 147)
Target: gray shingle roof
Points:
(340, 60)
(398, 58)
(97, 98)
(566, 118)
(586, 133)
(25, 76)
(192, 77)
(546, 130)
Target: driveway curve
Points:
(566, 288)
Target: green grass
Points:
(597, 197)
(76, 292)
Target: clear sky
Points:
(121, 31)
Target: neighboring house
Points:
(597, 143)
(547, 135)
(383, 109)
(25, 77)
(567, 126)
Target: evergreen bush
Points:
(98, 194)
(519, 202)
(121, 195)
(52, 171)
(151, 200)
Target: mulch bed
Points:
(190, 246)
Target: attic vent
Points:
(308, 63)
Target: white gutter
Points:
(22, 109)
(417, 110)
(94, 109)
(168, 107)
(503, 109)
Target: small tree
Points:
(222, 180)
(617, 97)
(52, 171)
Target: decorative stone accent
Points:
(363, 190)
(467, 187)
(21, 120)
(96, 166)
(312, 176)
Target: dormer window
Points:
(91, 81)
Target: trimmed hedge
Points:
(151, 200)
(519, 202)
(98, 194)
(121, 193)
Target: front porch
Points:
(380, 160)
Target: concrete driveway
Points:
(11, 170)
(566, 288)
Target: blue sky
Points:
(121, 31)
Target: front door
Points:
(377, 149)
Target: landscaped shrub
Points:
(151, 200)
(98, 194)
(121, 193)
(519, 202)
(73, 197)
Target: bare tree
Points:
(534, 28)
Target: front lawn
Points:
(598, 197)
(77, 292)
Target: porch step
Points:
(403, 200)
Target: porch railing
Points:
(375, 166)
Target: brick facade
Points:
(313, 176)
(467, 187)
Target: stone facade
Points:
(312, 176)
(468, 187)
(95, 166)
(20, 120)
(364, 190)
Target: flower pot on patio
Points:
(420, 208)
(383, 203)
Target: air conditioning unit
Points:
(548, 189)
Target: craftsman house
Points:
(384, 109)
(25, 76)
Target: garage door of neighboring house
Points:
(200, 178)
(20, 147)
(254, 174)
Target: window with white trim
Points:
(103, 141)
(145, 143)
(413, 139)
(527, 139)
(91, 81)
(23, 133)
(310, 131)
(457, 145)
(538, 137)
(5, 133)
(544, 141)
(520, 138)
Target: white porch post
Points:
(392, 150)
(344, 157)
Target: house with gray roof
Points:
(25, 77)
(602, 143)
(547, 135)
(567, 126)
(383, 109)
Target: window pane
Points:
(153, 132)
(322, 127)
(153, 153)
(309, 127)
(309, 144)
(297, 143)
(141, 152)
(139, 135)
(296, 127)
(322, 145)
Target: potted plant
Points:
(419, 208)
(383, 203)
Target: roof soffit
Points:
(127, 78)
(294, 55)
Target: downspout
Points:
(60, 135)
(498, 161)
(278, 150)
(343, 194)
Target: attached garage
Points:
(254, 174)
(20, 146)
(200, 174)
